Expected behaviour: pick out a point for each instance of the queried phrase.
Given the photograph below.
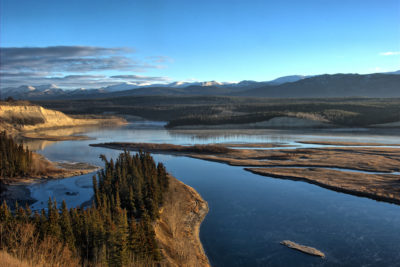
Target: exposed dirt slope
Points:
(177, 230)
(21, 118)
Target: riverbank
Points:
(16, 188)
(331, 143)
(313, 165)
(45, 137)
(378, 187)
(176, 231)
(178, 228)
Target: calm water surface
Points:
(250, 214)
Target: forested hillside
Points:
(15, 160)
(116, 230)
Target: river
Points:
(250, 214)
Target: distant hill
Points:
(295, 86)
(338, 85)
(49, 91)
(287, 79)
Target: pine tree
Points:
(66, 227)
(53, 227)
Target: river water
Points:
(250, 214)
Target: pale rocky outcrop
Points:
(22, 118)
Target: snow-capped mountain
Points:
(43, 91)
(20, 89)
(53, 89)
(179, 84)
(46, 87)
(245, 87)
(30, 89)
(121, 87)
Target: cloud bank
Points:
(141, 78)
(71, 66)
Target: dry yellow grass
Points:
(6, 260)
(23, 245)
(374, 159)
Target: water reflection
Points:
(37, 140)
(250, 214)
(35, 145)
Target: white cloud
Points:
(390, 53)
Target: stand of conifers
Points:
(116, 230)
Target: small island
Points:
(305, 249)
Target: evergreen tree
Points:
(14, 159)
(66, 227)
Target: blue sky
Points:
(199, 40)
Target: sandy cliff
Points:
(22, 118)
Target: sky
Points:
(91, 44)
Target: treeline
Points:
(352, 114)
(15, 160)
(116, 230)
(218, 120)
(211, 110)
(344, 112)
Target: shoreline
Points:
(44, 137)
(41, 133)
(16, 188)
(177, 230)
(336, 188)
(344, 144)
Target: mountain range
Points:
(295, 86)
